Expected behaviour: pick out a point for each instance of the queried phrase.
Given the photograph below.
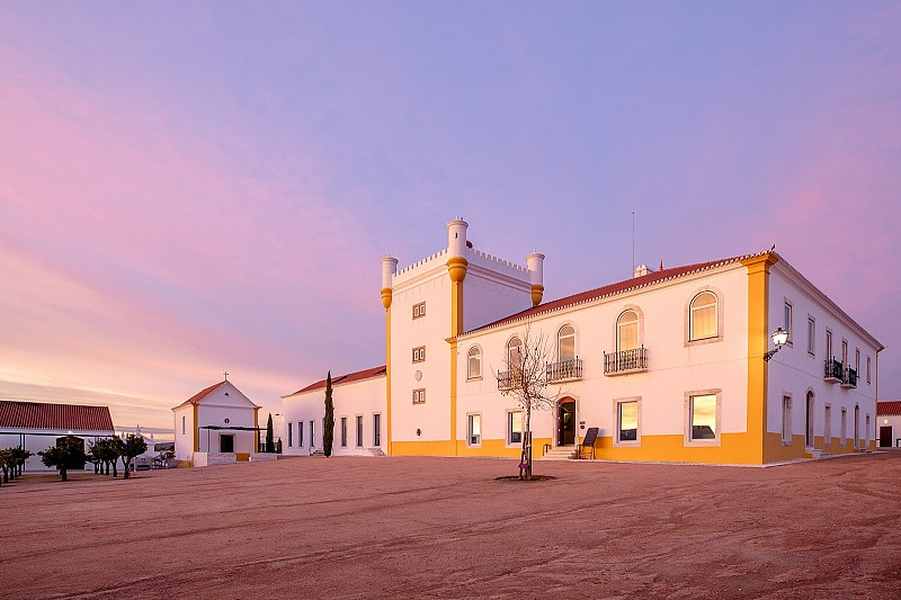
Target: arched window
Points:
(474, 363)
(514, 353)
(703, 316)
(566, 343)
(627, 331)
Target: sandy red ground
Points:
(444, 528)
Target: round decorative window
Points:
(227, 421)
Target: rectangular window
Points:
(344, 432)
(702, 417)
(376, 430)
(419, 310)
(811, 336)
(419, 354)
(627, 421)
(290, 435)
(844, 437)
(789, 316)
(514, 427)
(829, 344)
(474, 429)
(869, 380)
(184, 428)
(786, 419)
(300, 434)
(845, 352)
(312, 434)
(827, 427)
(419, 396)
(359, 431)
(857, 360)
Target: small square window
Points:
(419, 396)
(419, 354)
(419, 310)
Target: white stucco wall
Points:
(38, 441)
(794, 372)
(364, 398)
(893, 421)
(675, 367)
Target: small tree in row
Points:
(328, 427)
(68, 453)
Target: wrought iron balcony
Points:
(626, 361)
(850, 379)
(834, 372)
(565, 370)
(506, 380)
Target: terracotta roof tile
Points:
(888, 408)
(342, 379)
(64, 417)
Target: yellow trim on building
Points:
(758, 342)
(732, 449)
(500, 448)
(424, 448)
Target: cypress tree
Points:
(328, 432)
(270, 442)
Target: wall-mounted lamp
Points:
(780, 338)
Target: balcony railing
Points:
(626, 361)
(834, 372)
(506, 380)
(565, 370)
(850, 379)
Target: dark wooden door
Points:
(566, 423)
(885, 436)
(226, 443)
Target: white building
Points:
(36, 426)
(888, 423)
(217, 425)
(668, 365)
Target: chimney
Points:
(535, 264)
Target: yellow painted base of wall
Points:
(242, 456)
(490, 448)
(733, 449)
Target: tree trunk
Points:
(525, 464)
(5, 474)
(115, 472)
(63, 473)
(125, 466)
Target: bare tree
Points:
(525, 380)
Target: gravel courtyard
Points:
(444, 528)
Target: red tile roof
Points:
(342, 379)
(608, 290)
(62, 417)
(888, 408)
(196, 398)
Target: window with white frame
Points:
(829, 354)
(514, 353)
(811, 336)
(788, 318)
(786, 419)
(703, 317)
(474, 363)
(474, 429)
(702, 417)
(344, 432)
(359, 422)
(845, 352)
(627, 331)
(419, 396)
(184, 426)
(312, 434)
(300, 434)
(566, 343)
(290, 435)
(827, 426)
(857, 361)
(627, 421)
(419, 310)
(419, 354)
(514, 427)
(377, 430)
(869, 380)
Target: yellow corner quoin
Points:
(537, 293)
(758, 302)
(456, 268)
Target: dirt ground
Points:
(444, 528)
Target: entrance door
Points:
(885, 436)
(226, 442)
(566, 422)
